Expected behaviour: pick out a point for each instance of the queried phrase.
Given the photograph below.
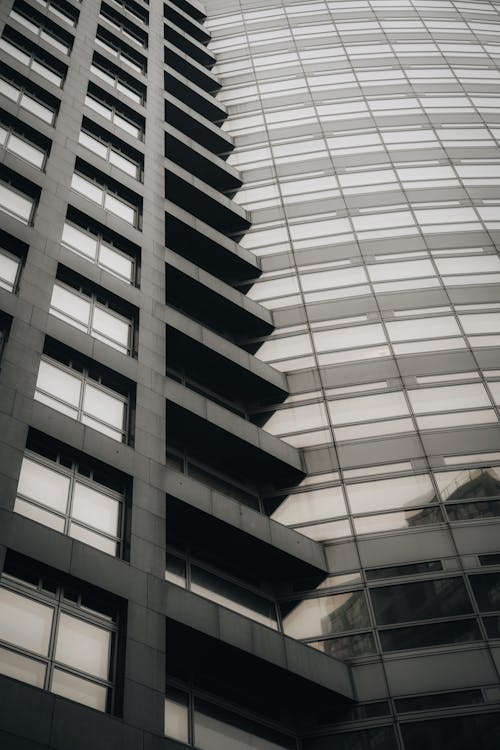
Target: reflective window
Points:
(16, 204)
(423, 600)
(80, 397)
(56, 642)
(311, 506)
(386, 494)
(449, 397)
(102, 195)
(430, 634)
(468, 483)
(29, 59)
(486, 589)
(43, 33)
(27, 100)
(69, 502)
(9, 270)
(479, 731)
(97, 250)
(109, 112)
(20, 146)
(115, 82)
(91, 316)
(110, 153)
(325, 615)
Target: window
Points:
(116, 116)
(87, 312)
(105, 197)
(66, 13)
(112, 47)
(423, 600)
(96, 249)
(34, 25)
(56, 637)
(21, 146)
(325, 615)
(16, 203)
(79, 396)
(127, 29)
(28, 100)
(32, 61)
(9, 270)
(109, 152)
(68, 500)
(113, 78)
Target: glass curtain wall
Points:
(367, 135)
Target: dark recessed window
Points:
(29, 97)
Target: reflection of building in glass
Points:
(255, 507)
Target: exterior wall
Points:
(366, 135)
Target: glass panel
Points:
(322, 532)
(8, 271)
(296, 418)
(83, 646)
(94, 540)
(364, 408)
(232, 596)
(44, 113)
(459, 732)
(390, 493)
(346, 647)
(15, 203)
(80, 241)
(123, 163)
(106, 408)
(423, 328)
(342, 338)
(79, 690)
(469, 511)
(26, 151)
(448, 397)
(217, 729)
(311, 506)
(115, 262)
(55, 380)
(87, 188)
(44, 485)
(39, 515)
(443, 597)
(70, 306)
(486, 589)
(116, 206)
(22, 668)
(404, 519)
(25, 623)
(176, 715)
(431, 634)
(96, 146)
(325, 615)
(113, 329)
(95, 509)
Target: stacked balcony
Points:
(221, 465)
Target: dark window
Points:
(467, 511)
(348, 646)
(431, 634)
(493, 559)
(381, 738)
(395, 571)
(486, 587)
(438, 700)
(459, 733)
(443, 597)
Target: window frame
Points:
(106, 191)
(59, 604)
(85, 378)
(92, 299)
(34, 59)
(100, 240)
(75, 477)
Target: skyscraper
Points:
(250, 375)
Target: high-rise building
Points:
(250, 375)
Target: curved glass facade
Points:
(367, 136)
